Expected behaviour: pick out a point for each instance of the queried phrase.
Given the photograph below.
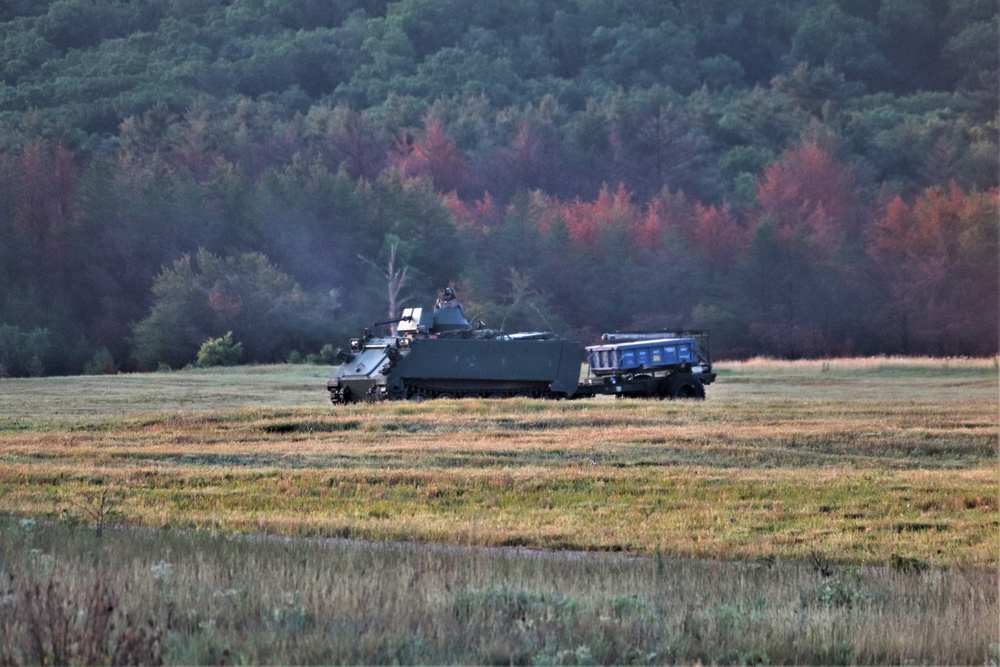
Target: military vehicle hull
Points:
(416, 369)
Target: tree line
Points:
(799, 178)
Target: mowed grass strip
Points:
(856, 460)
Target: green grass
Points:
(77, 400)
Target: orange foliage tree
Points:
(938, 260)
(432, 154)
(610, 216)
(802, 286)
(40, 194)
(809, 191)
(46, 181)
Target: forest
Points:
(803, 179)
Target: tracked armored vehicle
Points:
(438, 354)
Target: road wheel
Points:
(685, 386)
(445, 394)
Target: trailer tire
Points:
(685, 386)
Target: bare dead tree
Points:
(395, 278)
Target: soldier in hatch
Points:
(448, 300)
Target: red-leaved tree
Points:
(938, 261)
(432, 154)
(43, 182)
(608, 219)
(802, 291)
(809, 192)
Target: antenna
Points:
(533, 307)
(503, 322)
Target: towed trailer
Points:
(662, 364)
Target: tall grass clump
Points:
(195, 598)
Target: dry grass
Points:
(880, 364)
(837, 512)
(857, 460)
(199, 598)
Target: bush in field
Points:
(100, 363)
(22, 353)
(200, 297)
(327, 356)
(222, 351)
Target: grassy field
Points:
(804, 505)
(188, 598)
(854, 460)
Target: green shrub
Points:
(22, 352)
(907, 564)
(202, 295)
(220, 352)
(100, 363)
(327, 356)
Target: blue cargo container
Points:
(643, 356)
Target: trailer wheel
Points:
(685, 386)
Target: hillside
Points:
(805, 178)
